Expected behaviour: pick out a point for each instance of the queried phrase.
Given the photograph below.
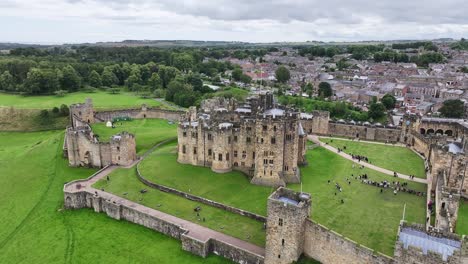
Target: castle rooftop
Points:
(426, 242)
(274, 112)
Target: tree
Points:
(167, 74)
(376, 110)
(308, 89)
(108, 77)
(64, 110)
(41, 81)
(325, 89)
(155, 82)
(282, 74)
(95, 79)
(388, 101)
(70, 80)
(237, 74)
(453, 108)
(245, 78)
(183, 61)
(7, 81)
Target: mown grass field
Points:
(367, 216)
(147, 132)
(101, 99)
(35, 229)
(462, 222)
(394, 158)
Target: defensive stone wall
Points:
(329, 247)
(383, 134)
(200, 199)
(139, 113)
(121, 209)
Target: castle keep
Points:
(257, 137)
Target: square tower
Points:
(286, 220)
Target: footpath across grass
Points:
(394, 158)
(35, 228)
(462, 222)
(147, 132)
(366, 216)
(101, 99)
(124, 183)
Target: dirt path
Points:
(316, 140)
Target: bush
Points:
(159, 93)
(64, 110)
(55, 110)
(60, 93)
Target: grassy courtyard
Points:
(394, 158)
(101, 99)
(35, 229)
(124, 183)
(462, 222)
(367, 216)
(148, 132)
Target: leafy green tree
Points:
(388, 101)
(108, 77)
(155, 82)
(376, 110)
(132, 81)
(64, 110)
(167, 74)
(245, 79)
(282, 74)
(308, 88)
(40, 81)
(70, 80)
(183, 61)
(325, 90)
(7, 82)
(95, 79)
(237, 74)
(453, 108)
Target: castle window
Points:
(249, 129)
(227, 156)
(272, 153)
(79, 112)
(271, 173)
(183, 149)
(209, 152)
(118, 148)
(265, 153)
(265, 161)
(210, 137)
(229, 140)
(273, 140)
(253, 155)
(184, 134)
(280, 222)
(235, 153)
(274, 128)
(235, 138)
(265, 128)
(236, 164)
(286, 168)
(282, 242)
(288, 137)
(118, 157)
(243, 164)
(220, 157)
(279, 256)
(247, 139)
(244, 154)
(194, 150)
(261, 140)
(271, 161)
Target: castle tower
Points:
(222, 148)
(83, 112)
(123, 149)
(286, 220)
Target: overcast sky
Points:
(72, 21)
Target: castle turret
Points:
(82, 112)
(286, 221)
(222, 148)
(123, 149)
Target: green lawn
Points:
(36, 230)
(147, 132)
(367, 216)
(125, 181)
(394, 158)
(462, 222)
(101, 99)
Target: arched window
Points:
(423, 131)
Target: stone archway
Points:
(422, 131)
(439, 132)
(68, 202)
(430, 131)
(87, 159)
(449, 133)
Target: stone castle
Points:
(257, 137)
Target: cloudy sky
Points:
(72, 21)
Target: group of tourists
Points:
(395, 185)
(359, 158)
